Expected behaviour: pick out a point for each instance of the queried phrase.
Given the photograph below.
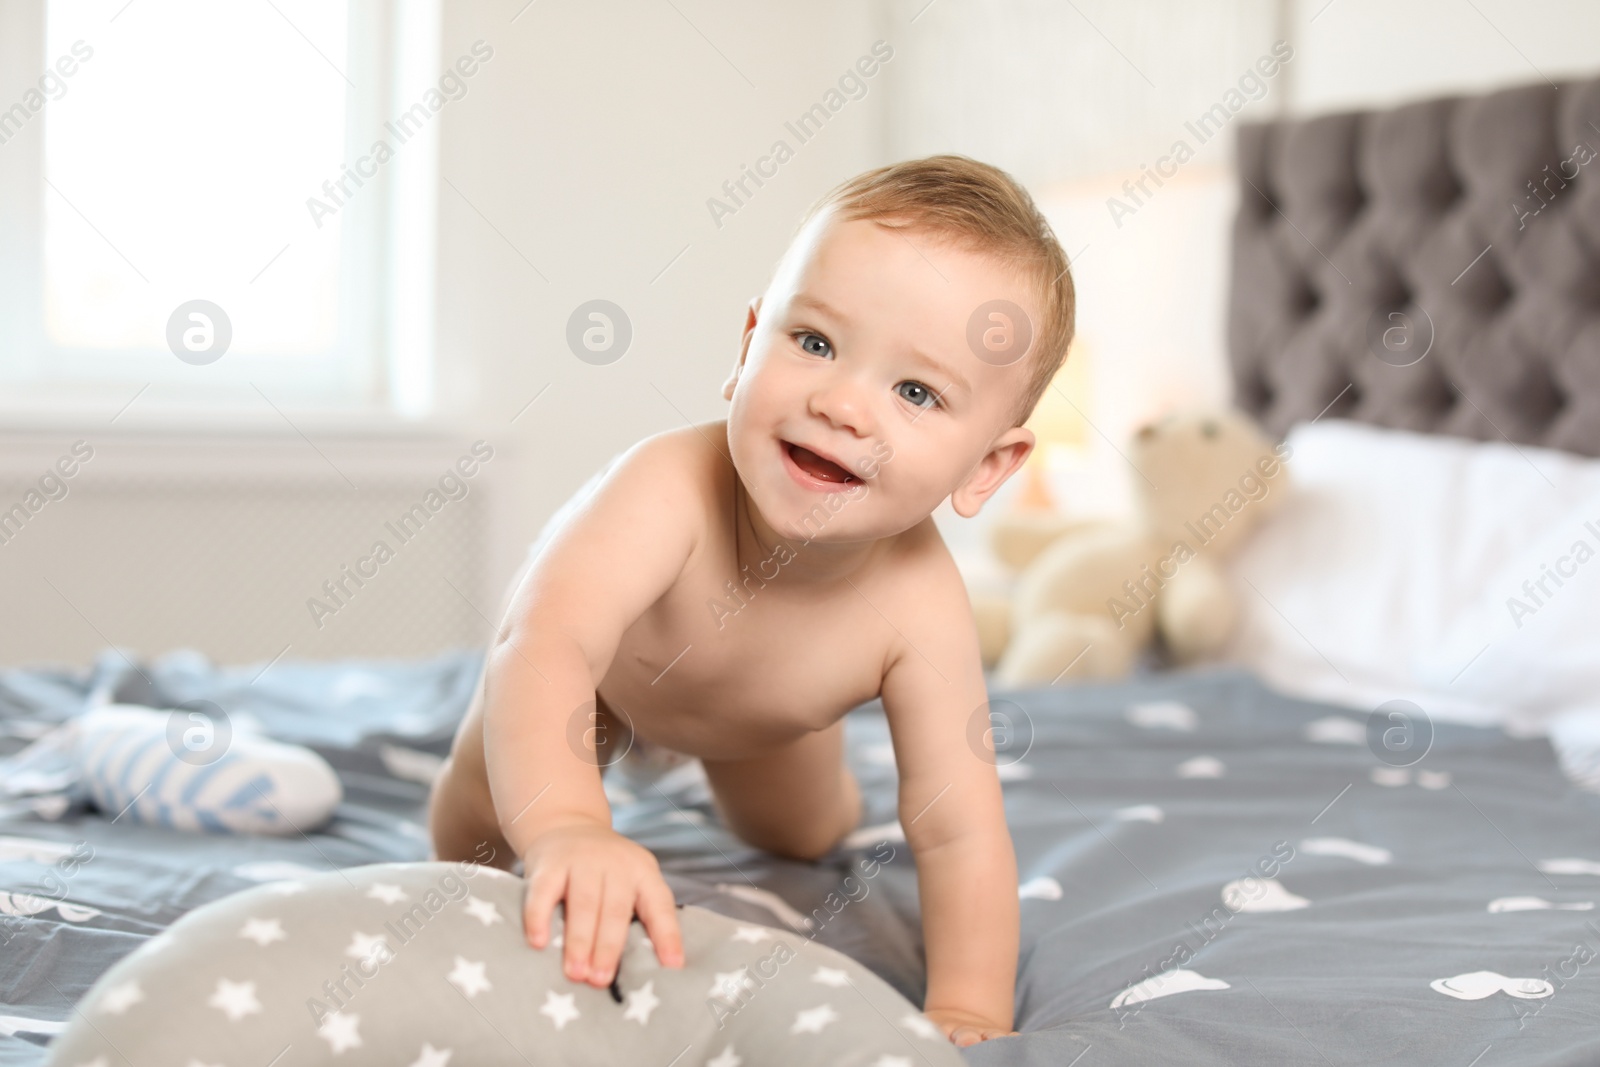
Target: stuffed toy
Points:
(1089, 595)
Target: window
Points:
(180, 213)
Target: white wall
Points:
(1374, 53)
(1055, 92)
(593, 143)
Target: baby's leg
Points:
(460, 831)
(797, 801)
(461, 815)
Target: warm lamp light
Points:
(1058, 421)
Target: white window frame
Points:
(381, 365)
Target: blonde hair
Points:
(984, 209)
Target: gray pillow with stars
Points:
(424, 964)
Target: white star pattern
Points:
(726, 1058)
(197, 1063)
(641, 1002)
(560, 1008)
(831, 976)
(98, 1061)
(469, 978)
(813, 1020)
(389, 894)
(368, 947)
(729, 985)
(887, 1060)
(484, 911)
(922, 1026)
(286, 889)
(235, 999)
(340, 1031)
(753, 934)
(119, 998)
(263, 931)
(432, 1057)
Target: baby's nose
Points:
(844, 403)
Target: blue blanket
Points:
(1211, 873)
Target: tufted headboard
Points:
(1435, 267)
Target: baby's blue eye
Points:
(814, 343)
(917, 393)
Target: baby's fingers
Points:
(583, 912)
(616, 913)
(544, 890)
(659, 914)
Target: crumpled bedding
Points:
(1211, 873)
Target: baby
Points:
(731, 589)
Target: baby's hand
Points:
(965, 1028)
(604, 878)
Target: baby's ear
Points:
(1003, 460)
(733, 376)
(752, 316)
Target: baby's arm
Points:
(611, 559)
(952, 811)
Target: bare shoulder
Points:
(697, 452)
(630, 529)
(681, 465)
(926, 586)
(920, 556)
(688, 466)
(644, 477)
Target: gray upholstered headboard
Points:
(1435, 267)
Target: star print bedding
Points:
(414, 964)
(1211, 873)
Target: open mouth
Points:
(819, 467)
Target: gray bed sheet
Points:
(1133, 808)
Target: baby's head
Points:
(907, 333)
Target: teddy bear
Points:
(1089, 595)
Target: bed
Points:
(1213, 870)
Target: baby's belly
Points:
(715, 724)
(726, 686)
(651, 732)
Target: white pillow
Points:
(1397, 570)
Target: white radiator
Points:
(243, 548)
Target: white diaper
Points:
(644, 757)
(648, 768)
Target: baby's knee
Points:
(805, 845)
(852, 795)
(442, 816)
(459, 827)
(809, 839)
